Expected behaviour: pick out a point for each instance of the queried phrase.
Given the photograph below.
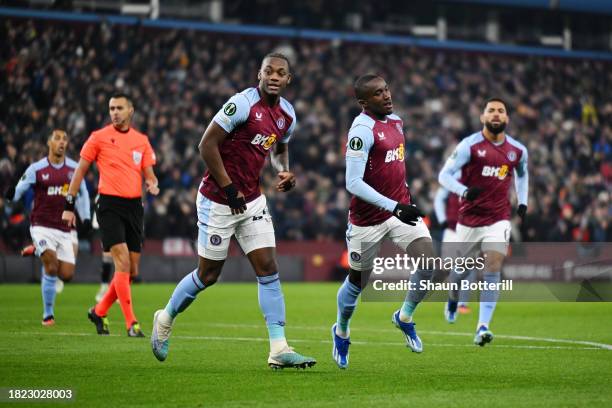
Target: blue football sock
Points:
(184, 293)
(488, 299)
(347, 302)
(414, 297)
(272, 304)
(464, 295)
(408, 308)
(47, 285)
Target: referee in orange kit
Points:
(122, 155)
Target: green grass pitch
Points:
(219, 349)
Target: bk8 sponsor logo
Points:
(493, 171)
(265, 141)
(395, 154)
(57, 190)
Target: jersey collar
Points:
(260, 92)
(122, 131)
(373, 117)
(56, 166)
(495, 144)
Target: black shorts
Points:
(121, 220)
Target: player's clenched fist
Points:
(287, 181)
(69, 218)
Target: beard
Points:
(495, 129)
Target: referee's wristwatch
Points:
(69, 205)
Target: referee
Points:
(122, 155)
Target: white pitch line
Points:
(529, 338)
(364, 343)
(590, 344)
(438, 333)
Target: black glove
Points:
(408, 213)
(10, 194)
(472, 193)
(233, 201)
(521, 211)
(444, 225)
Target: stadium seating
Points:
(61, 74)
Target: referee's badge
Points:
(137, 157)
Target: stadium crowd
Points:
(62, 74)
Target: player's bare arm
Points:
(68, 215)
(280, 162)
(151, 181)
(209, 150)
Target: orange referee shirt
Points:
(121, 157)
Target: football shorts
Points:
(216, 224)
(60, 242)
(494, 237)
(364, 243)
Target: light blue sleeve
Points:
(288, 108)
(440, 204)
(82, 203)
(521, 179)
(25, 182)
(233, 113)
(289, 133)
(360, 141)
(455, 162)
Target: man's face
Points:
(495, 117)
(378, 98)
(273, 75)
(120, 111)
(58, 142)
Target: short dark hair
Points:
(278, 55)
(496, 99)
(50, 135)
(359, 86)
(122, 95)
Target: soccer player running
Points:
(52, 239)
(446, 207)
(122, 155)
(234, 147)
(380, 209)
(487, 161)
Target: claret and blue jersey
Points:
(254, 128)
(50, 182)
(375, 169)
(491, 167)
